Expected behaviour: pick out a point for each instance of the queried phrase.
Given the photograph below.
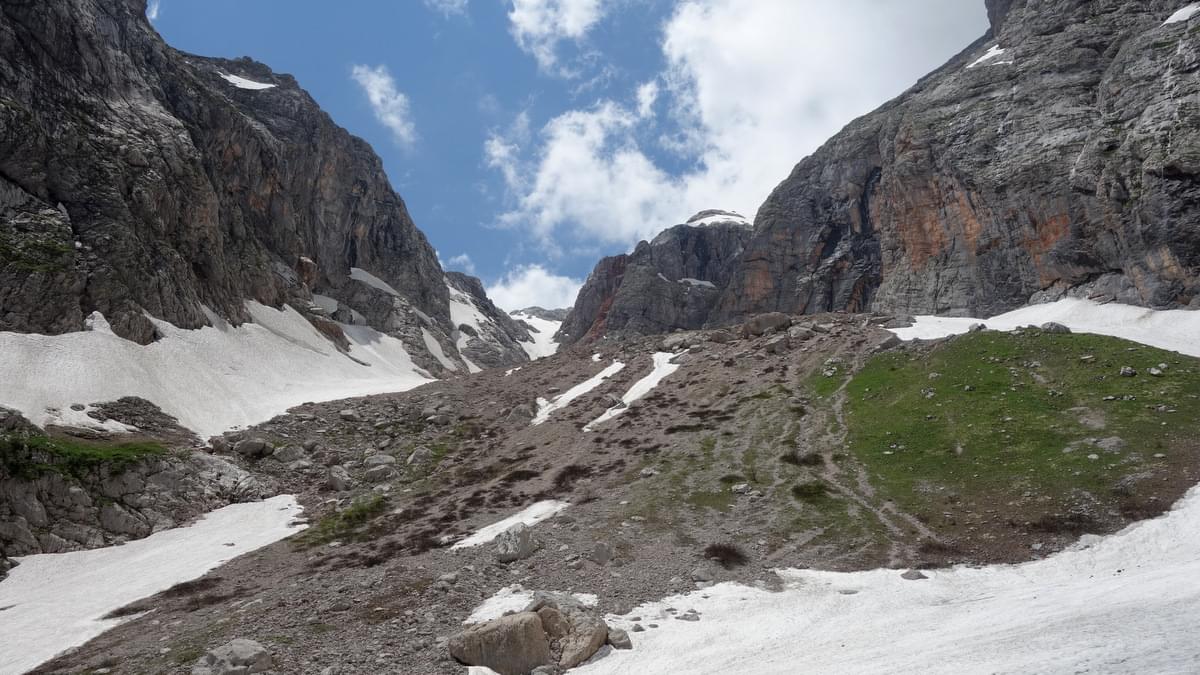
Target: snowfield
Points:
(663, 367)
(546, 408)
(531, 515)
(543, 343)
(210, 379)
(54, 602)
(243, 83)
(1184, 14)
(992, 53)
(1128, 603)
(1177, 330)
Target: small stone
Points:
(349, 415)
(1155, 372)
(619, 639)
(1126, 371)
(913, 575)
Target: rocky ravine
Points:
(146, 180)
(814, 441)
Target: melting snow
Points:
(1126, 603)
(1183, 14)
(697, 282)
(596, 358)
(530, 515)
(545, 408)
(435, 348)
(211, 379)
(1177, 330)
(243, 83)
(369, 279)
(991, 54)
(514, 599)
(663, 367)
(55, 602)
(543, 343)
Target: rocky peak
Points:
(149, 182)
(670, 282)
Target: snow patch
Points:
(373, 281)
(530, 515)
(435, 348)
(546, 408)
(514, 599)
(663, 366)
(543, 330)
(1176, 329)
(211, 379)
(69, 417)
(55, 602)
(992, 53)
(243, 83)
(596, 358)
(697, 282)
(1184, 14)
(720, 219)
(1125, 603)
(510, 371)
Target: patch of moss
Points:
(32, 456)
(347, 523)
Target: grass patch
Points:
(345, 524)
(718, 500)
(32, 456)
(990, 416)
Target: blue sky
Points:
(531, 137)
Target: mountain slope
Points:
(1058, 151)
(137, 180)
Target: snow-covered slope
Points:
(210, 379)
(663, 366)
(1177, 330)
(51, 603)
(1127, 603)
(542, 330)
(548, 407)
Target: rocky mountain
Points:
(1057, 152)
(672, 281)
(146, 181)
(485, 335)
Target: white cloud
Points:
(647, 94)
(539, 26)
(447, 7)
(387, 101)
(533, 285)
(152, 10)
(463, 263)
(749, 89)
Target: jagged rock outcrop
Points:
(1067, 161)
(136, 179)
(545, 314)
(673, 281)
(484, 334)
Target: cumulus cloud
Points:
(389, 104)
(540, 26)
(447, 7)
(747, 90)
(152, 10)
(533, 285)
(463, 263)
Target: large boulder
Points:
(511, 645)
(515, 543)
(239, 657)
(766, 323)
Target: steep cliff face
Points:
(671, 282)
(1059, 152)
(484, 335)
(135, 179)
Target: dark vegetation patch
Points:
(345, 524)
(28, 457)
(728, 556)
(567, 476)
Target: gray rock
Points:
(377, 474)
(1126, 371)
(239, 657)
(619, 639)
(511, 645)
(379, 460)
(913, 575)
(762, 324)
(1055, 328)
(423, 454)
(350, 415)
(601, 553)
(515, 543)
(338, 479)
(252, 447)
(289, 453)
